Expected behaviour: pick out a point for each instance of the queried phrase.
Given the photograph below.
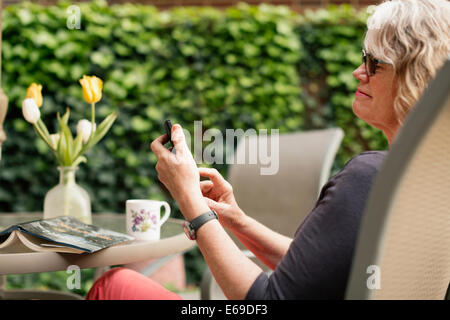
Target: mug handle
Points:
(166, 213)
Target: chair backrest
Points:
(403, 249)
(281, 201)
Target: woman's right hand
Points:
(219, 196)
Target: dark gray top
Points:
(317, 264)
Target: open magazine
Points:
(61, 234)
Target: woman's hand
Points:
(219, 196)
(179, 173)
(268, 245)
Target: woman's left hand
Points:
(179, 173)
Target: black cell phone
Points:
(168, 127)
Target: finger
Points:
(206, 186)
(216, 206)
(212, 174)
(212, 204)
(179, 140)
(157, 145)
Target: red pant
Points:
(127, 284)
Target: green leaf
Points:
(65, 118)
(68, 139)
(99, 133)
(42, 130)
(79, 160)
(62, 146)
(103, 128)
(77, 145)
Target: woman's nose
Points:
(360, 73)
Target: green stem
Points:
(92, 121)
(44, 129)
(92, 126)
(79, 154)
(41, 134)
(67, 178)
(66, 201)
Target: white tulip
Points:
(55, 139)
(30, 111)
(84, 128)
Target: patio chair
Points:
(305, 161)
(403, 245)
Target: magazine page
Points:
(13, 244)
(42, 245)
(71, 232)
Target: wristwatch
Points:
(190, 228)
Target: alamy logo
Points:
(73, 281)
(374, 281)
(261, 147)
(73, 17)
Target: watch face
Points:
(190, 233)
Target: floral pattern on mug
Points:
(143, 220)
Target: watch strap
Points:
(202, 219)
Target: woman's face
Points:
(374, 98)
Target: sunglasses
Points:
(371, 63)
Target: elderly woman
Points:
(406, 43)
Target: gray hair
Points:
(413, 36)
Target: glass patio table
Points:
(173, 241)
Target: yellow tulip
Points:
(34, 92)
(92, 88)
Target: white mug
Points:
(144, 218)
